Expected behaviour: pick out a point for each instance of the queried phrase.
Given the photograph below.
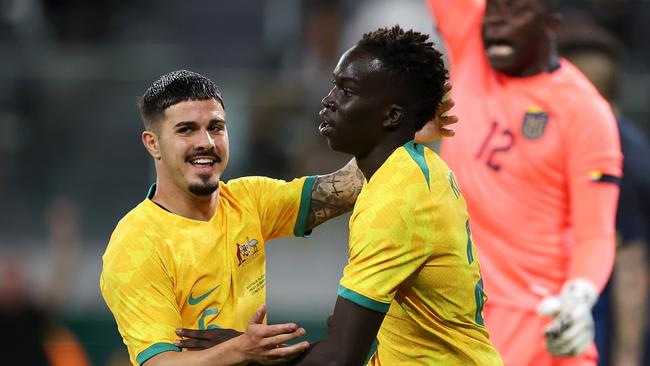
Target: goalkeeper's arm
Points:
(593, 211)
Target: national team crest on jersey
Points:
(534, 123)
(247, 251)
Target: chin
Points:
(499, 64)
(203, 188)
(337, 147)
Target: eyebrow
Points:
(189, 123)
(347, 78)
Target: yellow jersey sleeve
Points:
(387, 246)
(283, 206)
(139, 292)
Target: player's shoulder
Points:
(573, 88)
(249, 183)
(577, 103)
(406, 173)
(405, 166)
(242, 189)
(136, 227)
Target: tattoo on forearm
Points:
(334, 194)
(333, 183)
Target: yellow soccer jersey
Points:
(411, 256)
(162, 271)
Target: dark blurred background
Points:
(71, 160)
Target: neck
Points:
(184, 203)
(547, 63)
(370, 162)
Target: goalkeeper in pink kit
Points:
(537, 157)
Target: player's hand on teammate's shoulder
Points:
(261, 343)
(439, 126)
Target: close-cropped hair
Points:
(172, 88)
(410, 56)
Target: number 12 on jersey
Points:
(495, 144)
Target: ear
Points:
(150, 142)
(393, 117)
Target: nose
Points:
(205, 141)
(328, 102)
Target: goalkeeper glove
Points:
(572, 328)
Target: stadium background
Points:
(71, 160)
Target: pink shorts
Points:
(519, 338)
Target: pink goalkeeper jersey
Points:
(527, 155)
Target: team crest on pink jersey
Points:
(247, 251)
(534, 124)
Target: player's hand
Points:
(266, 344)
(572, 329)
(195, 339)
(439, 126)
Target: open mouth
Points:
(325, 128)
(203, 162)
(498, 48)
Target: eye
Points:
(346, 91)
(217, 127)
(183, 130)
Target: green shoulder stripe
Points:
(155, 349)
(363, 301)
(417, 154)
(305, 203)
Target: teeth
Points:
(202, 161)
(501, 50)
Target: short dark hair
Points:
(411, 56)
(172, 88)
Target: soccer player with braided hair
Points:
(413, 280)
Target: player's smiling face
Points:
(516, 35)
(193, 145)
(356, 105)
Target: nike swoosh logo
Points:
(193, 301)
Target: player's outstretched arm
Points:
(261, 344)
(335, 194)
(456, 21)
(351, 334)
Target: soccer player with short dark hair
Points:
(538, 158)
